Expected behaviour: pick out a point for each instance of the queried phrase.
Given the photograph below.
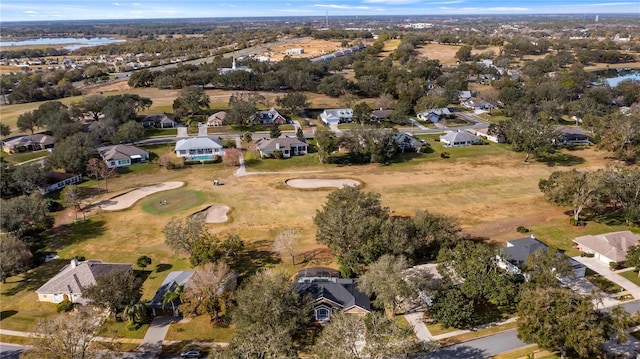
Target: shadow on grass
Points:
(561, 159)
(68, 234)
(34, 279)
(252, 258)
(7, 313)
(162, 267)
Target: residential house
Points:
(380, 115)
(573, 136)
(199, 148)
(608, 247)
(331, 293)
(54, 181)
(459, 138)
(484, 133)
(173, 281)
(464, 95)
(122, 155)
(408, 142)
(70, 282)
(477, 104)
(28, 143)
(159, 121)
(268, 117)
(217, 119)
(435, 114)
(517, 251)
(288, 146)
(336, 116)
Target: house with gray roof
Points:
(54, 181)
(74, 277)
(122, 155)
(434, 114)
(199, 148)
(608, 247)
(268, 117)
(158, 120)
(28, 143)
(331, 293)
(459, 138)
(380, 115)
(408, 142)
(173, 281)
(336, 115)
(289, 146)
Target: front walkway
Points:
(602, 268)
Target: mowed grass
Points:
(632, 276)
(23, 156)
(172, 202)
(199, 329)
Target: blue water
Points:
(201, 158)
(614, 81)
(75, 42)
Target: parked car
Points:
(191, 353)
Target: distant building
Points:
(28, 143)
(336, 116)
(199, 149)
(122, 155)
(54, 181)
(294, 51)
(459, 138)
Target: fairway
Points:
(172, 202)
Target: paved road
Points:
(482, 348)
(603, 269)
(10, 351)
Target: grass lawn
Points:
(294, 163)
(478, 333)
(199, 329)
(524, 352)
(22, 157)
(602, 283)
(115, 329)
(156, 132)
(632, 276)
(437, 329)
(558, 233)
(172, 202)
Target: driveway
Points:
(152, 342)
(603, 269)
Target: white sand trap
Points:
(215, 214)
(127, 200)
(321, 182)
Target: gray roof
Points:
(613, 245)
(73, 279)
(345, 293)
(406, 140)
(459, 136)
(284, 142)
(120, 152)
(56, 177)
(159, 118)
(338, 112)
(173, 280)
(518, 250)
(31, 140)
(197, 143)
(381, 113)
(220, 115)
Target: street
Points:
(482, 348)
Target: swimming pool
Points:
(201, 158)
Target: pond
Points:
(74, 42)
(615, 78)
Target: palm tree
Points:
(172, 296)
(135, 312)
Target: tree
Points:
(300, 134)
(172, 296)
(559, 319)
(334, 85)
(242, 106)
(362, 113)
(130, 131)
(5, 130)
(384, 280)
(210, 291)
(89, 106)
(622, 187)
(620, 322)
(325, 143)
(633, 257)
(27, 121)
(71, 198)
(275, 132)
(348, 336)
(135, 312)
(24, 215)
(464, 53)
(143, 261)
(72, 153)
(531, 136)
(141, 78)
(270, 317)
(294, 103)
(98, 168)
(15, 257)
(180, 235)
(576, 189)
(452, 308)
(348, 223)
(285, 244)
(232, 157)
(546, 266)
(66, 336)
(28, 177)
(113, 291)
(193, 99)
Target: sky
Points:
(29, 10)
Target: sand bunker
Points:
(215, 214)
(321, 182)
(127, 200)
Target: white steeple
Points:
(233, 63)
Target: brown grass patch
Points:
(312, 48)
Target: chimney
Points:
(74, 262)
(277, 146)
(533, 236)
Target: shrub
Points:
(587, 255)
(575, 222)
(445, 155)
(229, 144)
(522, 229)
(174, 166)
(278, 155)
(133, 326)
(64, 306)
(143, 261)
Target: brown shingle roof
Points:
(613, 245)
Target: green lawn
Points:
(602, 283)
(632, 276)
(23, 156)
(478, 333)
(172, 202)
(158, 132)
(199, 329)
(437, 329)
(255, 163)
(115, 329)
(559, 233)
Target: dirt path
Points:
(127, 200)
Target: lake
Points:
(626, 75)
(74, 42)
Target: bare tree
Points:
(210, 291)
(232, 157)
(71, 198)
(285, 244)
(98, 168)
(66, 336)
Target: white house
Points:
(459, 138)
(289, 146)
(608, 247)
(122, 155)
(199, 149)
(336, 116)
(484, 132)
